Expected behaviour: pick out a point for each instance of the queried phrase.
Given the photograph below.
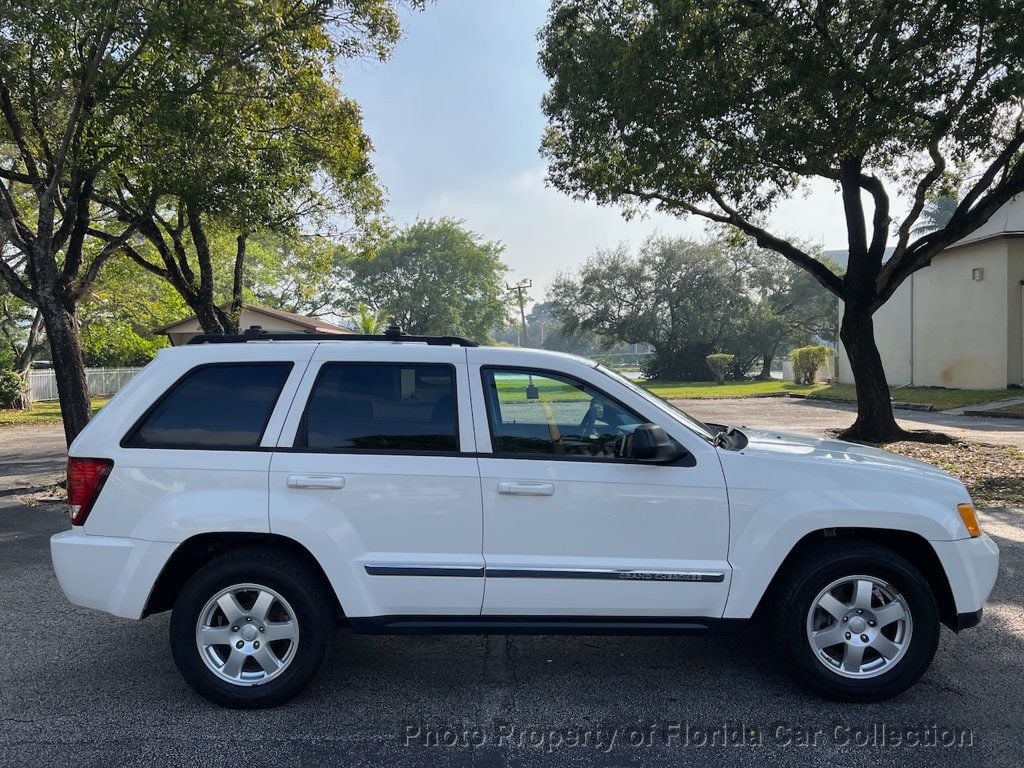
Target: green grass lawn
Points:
(940, 399)
(699, 390)
(41, 413)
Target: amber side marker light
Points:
(970, 517)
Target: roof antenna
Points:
(394, 331)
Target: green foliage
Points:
(719, 364)
(117, 345)
(434, 277)
(268, 146)
(787, 307)
(675, 294)
(11, 386)
(687, 299)
(681, 100)
(295, 273)
(807, 360)
(367, 321)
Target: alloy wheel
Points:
(859, 627)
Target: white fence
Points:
(102, 381)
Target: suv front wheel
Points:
(858, 621)
(251, 628)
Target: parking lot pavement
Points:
(31, 456)
(816, 417)
(82, 688)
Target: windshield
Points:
(684, 418)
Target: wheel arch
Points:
(914, 547)
(193, 553)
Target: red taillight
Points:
(85, 480)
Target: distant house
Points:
(958, 323)
(182, 331)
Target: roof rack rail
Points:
(392, 333)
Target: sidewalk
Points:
(991, 409)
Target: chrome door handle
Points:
(325, 482)
(517, 488)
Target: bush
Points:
(686, 362)
(807, 361)
(719, 363)
(10, 389)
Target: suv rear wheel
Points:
(251, 628)
(858, 621)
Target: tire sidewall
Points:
(306, 598)
(906, 580)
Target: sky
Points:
(456, 124)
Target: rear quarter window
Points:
(218, 406)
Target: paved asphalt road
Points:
(81, 688)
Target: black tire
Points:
(819, 567)
(306, 595)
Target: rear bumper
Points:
(107, 573)
(971, 566)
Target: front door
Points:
(572, 529)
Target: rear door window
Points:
(406, 407)
(221, 406)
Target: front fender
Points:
(767, 526)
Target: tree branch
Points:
(825, 276)
(920, 195)
(14, 283)
(18, 134)
(109, 249)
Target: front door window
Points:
(545, 414)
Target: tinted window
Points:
(215, 406)
(392, 407)
(547, 413)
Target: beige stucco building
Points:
(958, 323)
(182, 331)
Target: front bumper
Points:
(967, 620)
(971, 566)
(107, 573)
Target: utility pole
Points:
(520, 288)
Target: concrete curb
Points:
(827, 399)
(993, 414)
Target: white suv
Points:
(268, 488)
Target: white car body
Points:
(449, 539)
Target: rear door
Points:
(375, 474)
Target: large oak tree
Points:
(120, 103)
(722, 109)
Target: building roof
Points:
(303, 321)
(1008, 221)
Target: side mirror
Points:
(651, 443)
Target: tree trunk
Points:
(24, 362)
(875, 422)
(68, 366)
(766, 366)
(210, 319)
